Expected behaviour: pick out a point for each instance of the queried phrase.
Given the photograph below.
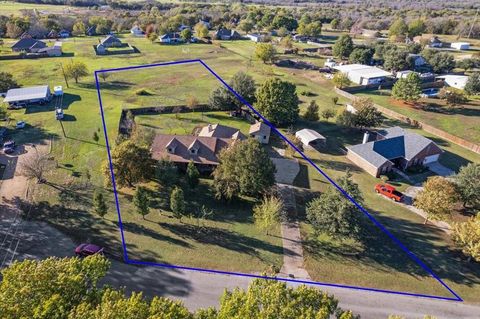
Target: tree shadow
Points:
(145, 231)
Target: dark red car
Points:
(84, 250)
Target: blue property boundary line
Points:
(377, 223)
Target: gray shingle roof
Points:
(398, 143)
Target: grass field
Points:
(462, 122)
(8, 8)
(66, 200)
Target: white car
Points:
(20, 124)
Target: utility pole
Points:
(64, 75)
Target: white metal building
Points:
(455, 81)
(310, 137)
(460, 45)
(33, 94)
(363, 74)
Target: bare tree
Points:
(35, 166)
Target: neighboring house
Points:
(455, 81)
(417, 60)
(460, 45)
(173, 37)
(29, 95)
(300, 38)
(363, 74)
(403, 74)
(136, 31)
(393, 148)
(221, 131)
(52, 34)
(111, 41)
(28, 45)
(260, 131)
(101, 49)
(55, 50)
(330, 63)
(433, 42)
(255, 37)
(181, 149)
(64, 34)
(227, 34)
(310, 138)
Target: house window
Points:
(170, 150)
(193, 151)
(264, 137)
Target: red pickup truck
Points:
(389, 191)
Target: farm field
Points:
(160, 237)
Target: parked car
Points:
(430, 93)
(84, 250)
(9, 147)
(389, 191)
(20, 124)
(59, 114)
(17, 106)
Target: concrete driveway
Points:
(287, 170)
(439, 169)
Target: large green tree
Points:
(343, 47)
(277, 101)
(473, 84)
(468, 181)
(395, 59)
(131, 164)
(362, 55)
(398, 28)
(408, 89)
(223, 99)
(265, 52)
(416, 27)
(245, 169)
(76, 70)
(437, 199)
(334, 214)
(7, 82)
(466, 235)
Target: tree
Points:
(201, 30)
(277, 100)
(466, 64)
(395, 59)
(245, 169)
(152, 36)
(416, 27)
(343, 47)
(334, 24)
(177, 202)
(223, 99)
(7, 82)
(398, 28)
(468, 181)
(76, 70)
(267, 213)
(408, 89)
(35, 166)
(346, 118)
(437, 199)
(473, 84)
(99, 205)
(141, 201)
(192, 175)
(287, 42)
(166, 172)
(328, 114)
(466, 236)
(274, 299)
(361, 55)
(265, 52)
(50, 288)
(312, 112)
(367, 115)
(334, 214)
(246, 26)
(452, 96)
(441, 62)
(340, 80)
(79, 28)
(131, 163)
(192, 102)
(104, 75)
(186, 35)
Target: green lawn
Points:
(65, 201)
(463, 122)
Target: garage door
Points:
(430, 159)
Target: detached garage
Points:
(310, 138)
(34, 94)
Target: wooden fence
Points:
(426, 127)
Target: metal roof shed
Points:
(29, 94)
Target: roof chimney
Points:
(366, 136)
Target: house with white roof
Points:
(460, 45)
(310, 138)
(455, 81)
(136, 31)
(363, 74)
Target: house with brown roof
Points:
(260, 131)
(203, 151)
(221, 131)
